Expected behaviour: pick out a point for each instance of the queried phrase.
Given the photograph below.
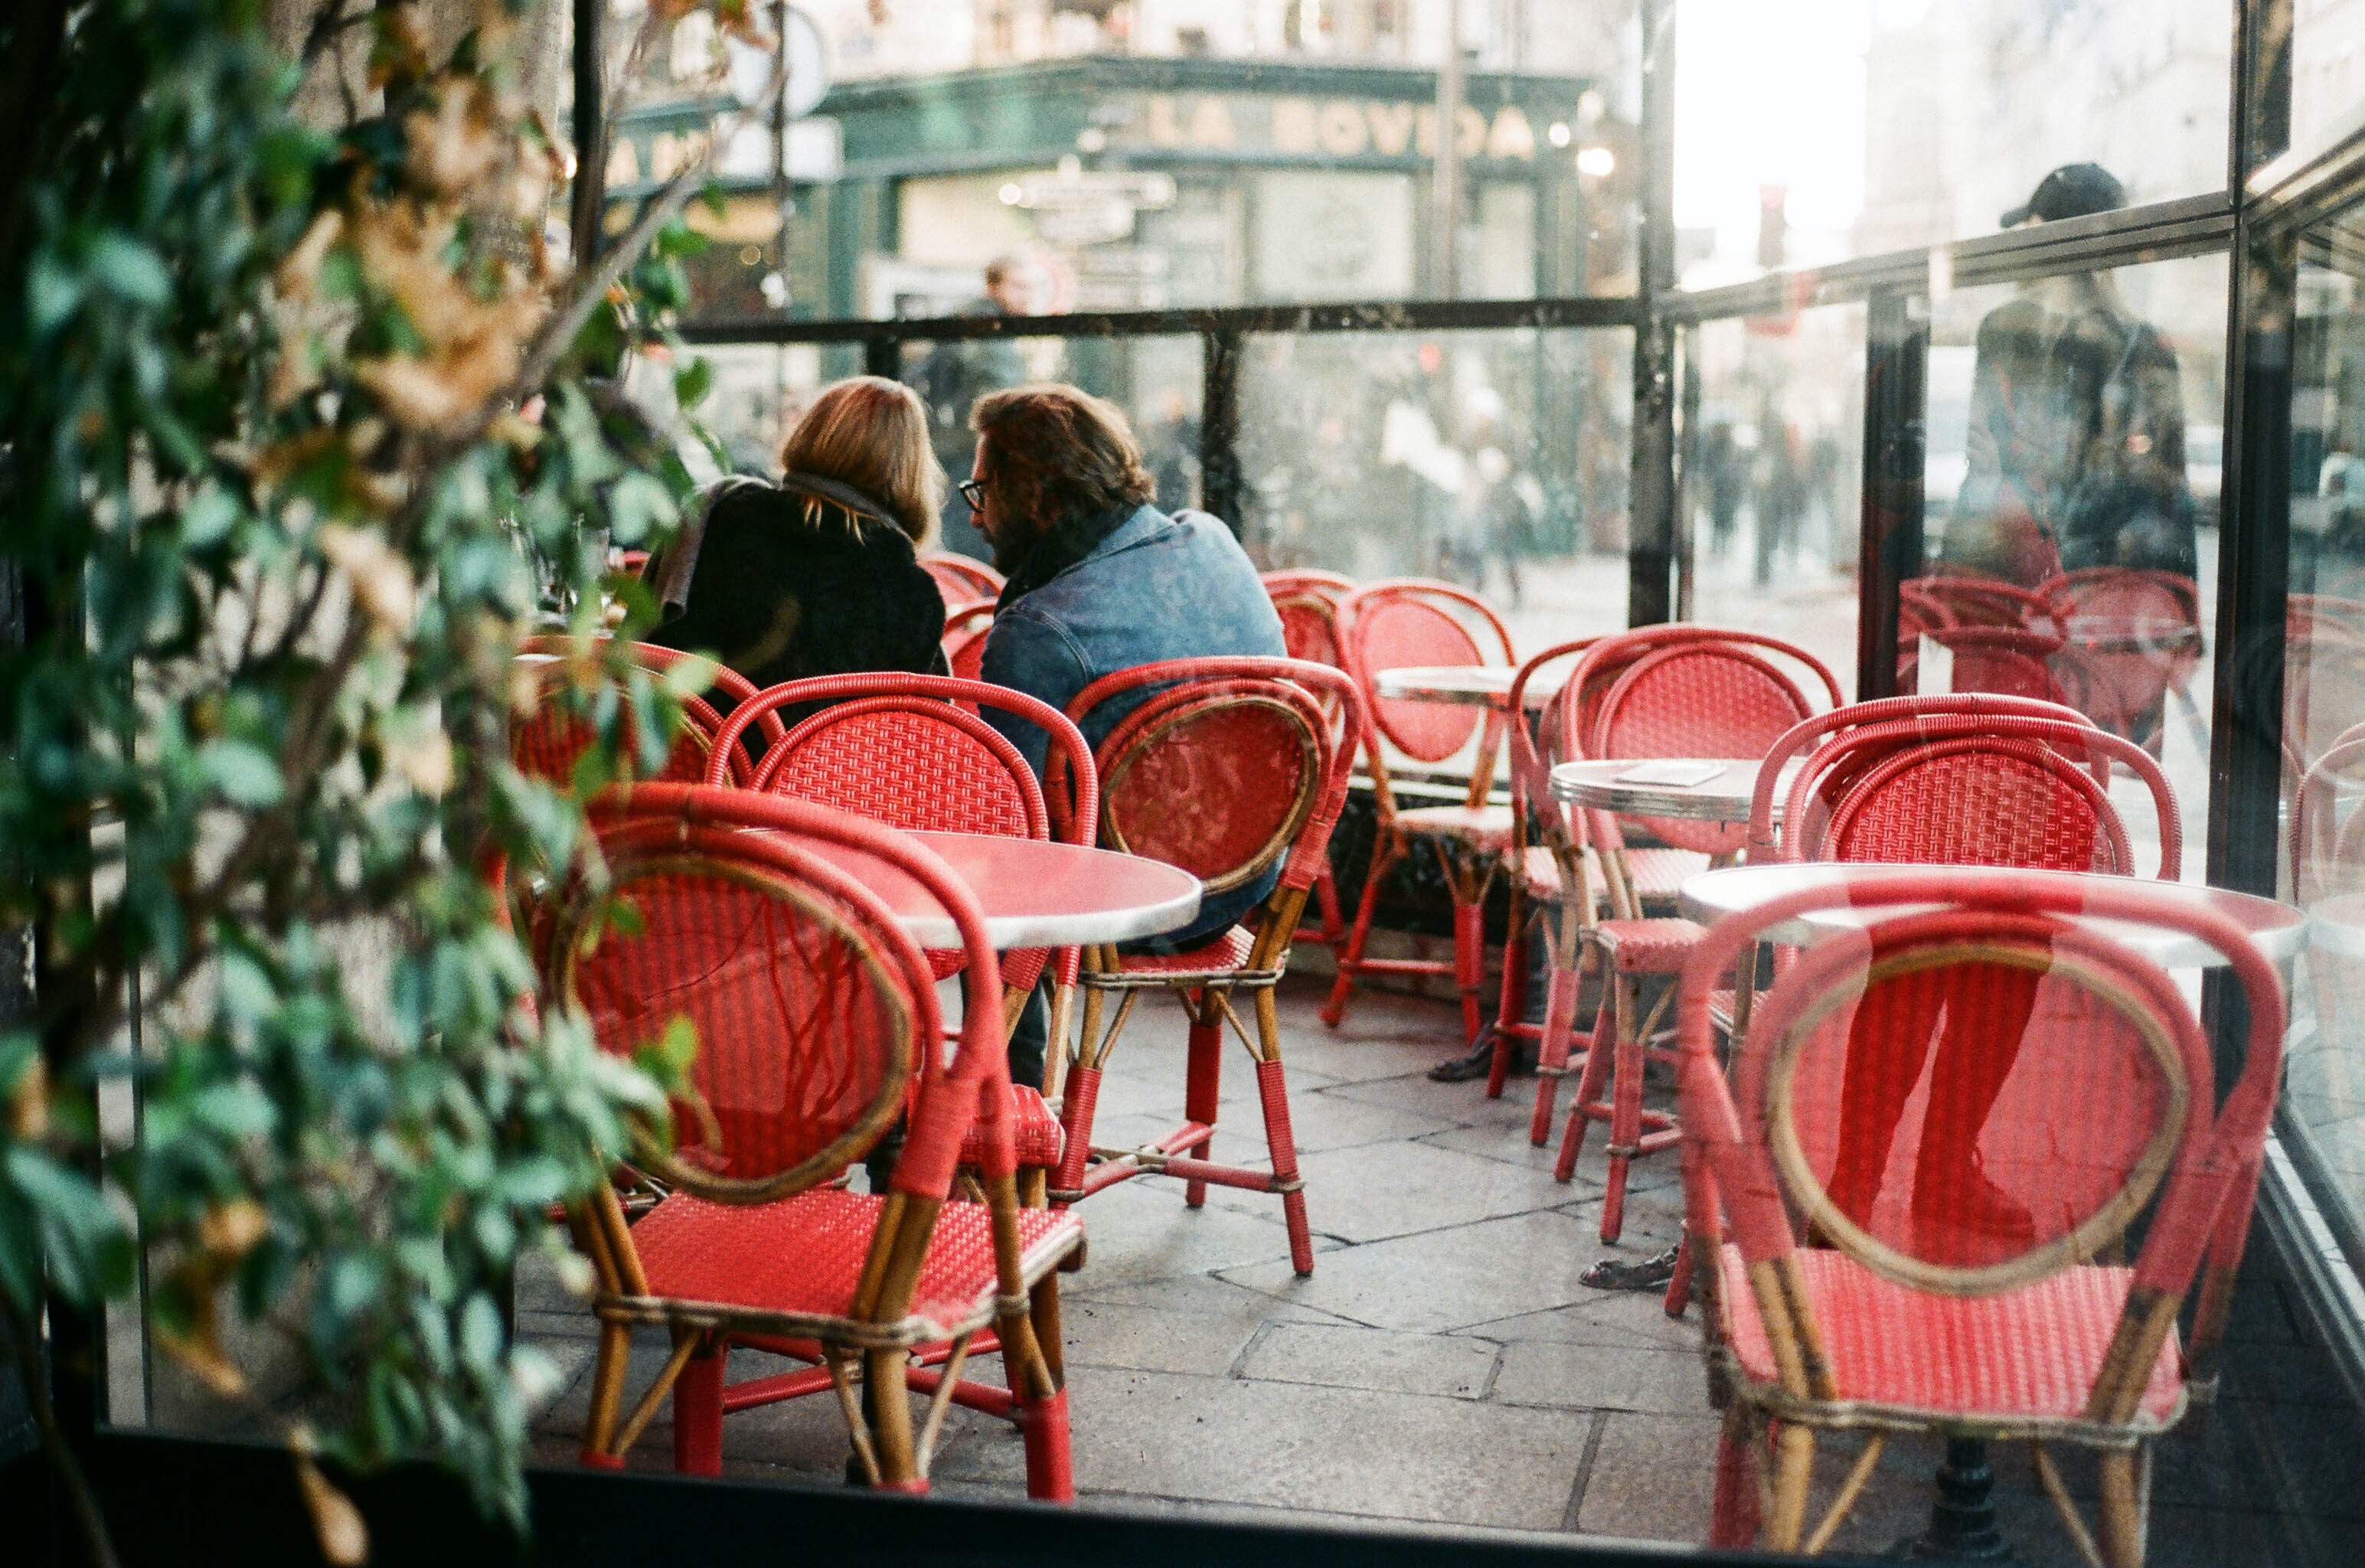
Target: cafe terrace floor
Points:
(1443, 1367)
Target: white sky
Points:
(1771, 92)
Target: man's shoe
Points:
(1651, 1274)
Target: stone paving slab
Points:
(1444, 1279)
(1602, 1377)
(1446, 1366)
(1342, 1451)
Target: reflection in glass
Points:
(1497, 460)
(2071, 505)
(2324, 706)
(1772, 447)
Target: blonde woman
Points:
(818, 573)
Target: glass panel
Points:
(2323, 696)
(1494, 459)
(2071, 512)
(1155, 380)
(1773, 467)
(2327, 65)
(1145, 155)
(1806, 133)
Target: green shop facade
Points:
(1285, 182)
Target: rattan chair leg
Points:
(1625, 1109)
(1042, 1302)
(1589, 1082)
(850, 1405)
(2049, 1475)
(1384, 854)
(1055, 1051)
(1279, 1137)
(1512, 1005)
(2124, 1498)
(1794, 1472)
(891, 1417)
(1203, 1080)
(1733, 1510)
(698, 1407)
(599, 1447)
(1858, 1474)
(948, 1385)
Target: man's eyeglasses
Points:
(974, 492)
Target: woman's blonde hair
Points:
(872, 433)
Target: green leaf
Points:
(692, 382)
(51, 294)
(243, 772)
(130, 270)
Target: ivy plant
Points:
(280, 402)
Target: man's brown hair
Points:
(1052, 453)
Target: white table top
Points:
(1723, 799)
(1034, 894)
(2280, 930)
(1467, 685)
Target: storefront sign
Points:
(1322, 127)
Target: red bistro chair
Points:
(549, 741)
(1228, 769)
(1974, 601)
(1663, 691)
(961, 577)
(1392, 625)
(817, 1027)
(1975, 779)
(2005, 660)
(2123, 684)
(1307, 602)
(966, 626)
(1548, 861)
(890, 747)
(1920, 1313)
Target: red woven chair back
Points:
(1978, 801)
(1332, 586)
(1309, 626)
(813, 1012)
(892, 748)
(1988, 601)
(1231, 764)
(1395, 625)
(2022, 787)
(2007, 661)
(966, 626)
(551, 740)
(2064, 1094)
(1679, 691)
(2071, 1091)
(961, 578)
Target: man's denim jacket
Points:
(1157, 588)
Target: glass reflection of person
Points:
(2075, 456)
(952, 378)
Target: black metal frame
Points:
(164, 1487)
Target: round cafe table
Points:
(1722, 798)
(2133, 634)
(2279, 930)
(1962, 1519)
(1465, 686)
(1033, 894)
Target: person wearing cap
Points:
(2076, 450)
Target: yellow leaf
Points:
(336, 1523)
